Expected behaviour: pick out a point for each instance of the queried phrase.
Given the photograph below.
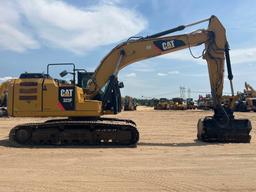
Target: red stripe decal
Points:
(158, 49)
(60, 106)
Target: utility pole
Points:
(182, 92)
(189, 93)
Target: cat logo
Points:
(66, 98)
(165, 45)
(168, 45)
(66, 92)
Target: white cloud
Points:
(162, 74)
(111, 2)
(246, 55)
(13, 36)
(237, 56)
(130, 75)
(184, 55)
(6, 78)
(61, 25)
(145, 66)
(196, 74)
(173, 72)
(168, 73)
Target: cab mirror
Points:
(121, 85)
(63, 73)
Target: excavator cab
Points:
(110, 95)
(83, 77)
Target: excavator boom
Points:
(134, 50)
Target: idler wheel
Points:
(22, 135)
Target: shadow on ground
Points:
(196, 143)
(6, 143)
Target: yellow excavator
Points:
(85, 100)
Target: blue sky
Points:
(34, 33)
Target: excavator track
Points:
(102, 132)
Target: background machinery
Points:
(246, 100)
(178, 103)
(240, 104)
(190, 103)
(205, 102)
(162, 104)
(129, 104)
(250, 94)
(3, 98)
(149, 102)
(43, 96)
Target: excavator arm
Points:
(221, 126)
(139, 49)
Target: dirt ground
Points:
(167, 158)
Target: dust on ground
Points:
(167, 158)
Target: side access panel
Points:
(27, 95)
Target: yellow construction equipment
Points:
(178, 103)
(162, 104)
(98, 93)
(249, 90)
(245, 101)
(250, 97)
